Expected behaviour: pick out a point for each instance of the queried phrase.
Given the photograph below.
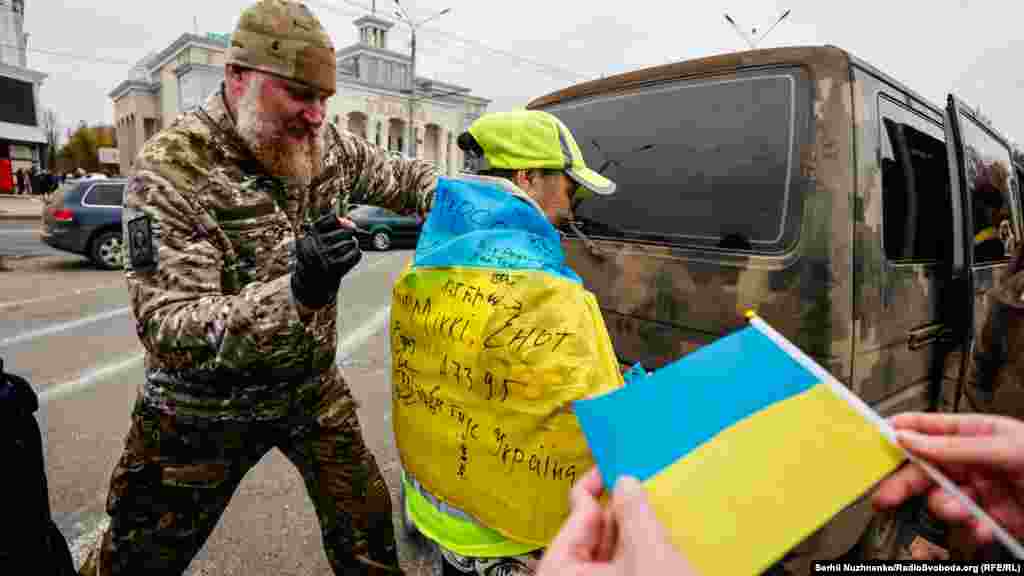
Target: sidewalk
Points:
(20, 208)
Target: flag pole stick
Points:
(888, 431)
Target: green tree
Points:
(80, 151)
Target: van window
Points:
(105, 195)
(917, 215)
(989, 177)
(709, 162)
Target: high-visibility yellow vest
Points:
(492, 339)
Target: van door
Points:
(902, 252)
(987, 209)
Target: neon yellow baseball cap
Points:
(524, 139)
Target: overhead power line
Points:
(549, 68)
(73, 56)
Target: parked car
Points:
(385, 228)
(814, 188)
(84, 217)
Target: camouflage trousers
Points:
(177, 475)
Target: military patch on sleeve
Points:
(141, 249)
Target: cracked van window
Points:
(916, 204)
(989, 179)
(708, 162)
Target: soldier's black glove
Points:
(323, 255)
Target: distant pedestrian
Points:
(20, 176)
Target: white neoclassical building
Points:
(22, 137)
(372, 100)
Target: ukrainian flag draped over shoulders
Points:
(493, 338)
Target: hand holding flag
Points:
(746, 447)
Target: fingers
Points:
(326, 223)
(346, 223)
(609, 541)
(580, 536)
(644, 545)
(631, 509)
(947, 424)
(947, 507)
(901, 486)
(589, 487)
(997, 451)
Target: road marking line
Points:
(360, 335)
(353, 341)
(86, 380)
(350, 344)
(64, 326)
(82, 545)
(79, 292)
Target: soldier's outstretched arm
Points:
(362, 173)
(183, 306)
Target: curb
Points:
(35, 197)
(20, 218)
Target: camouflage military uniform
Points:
(996, 380)
(232, 370)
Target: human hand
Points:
(625, 540)
(983, 454)
(323, 255)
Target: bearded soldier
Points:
(236, 254)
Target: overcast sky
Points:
(973, 48)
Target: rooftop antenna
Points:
(753, 31)
(781, 18)
(740, 31)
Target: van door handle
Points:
(926, 335)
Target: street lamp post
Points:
(403, 16)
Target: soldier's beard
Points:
(266, 139)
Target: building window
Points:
(377, 140)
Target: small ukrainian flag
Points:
(746, 447)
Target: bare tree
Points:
(52, 129)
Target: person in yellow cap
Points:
(235, 253)
(461, 521)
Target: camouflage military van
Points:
(857, 218)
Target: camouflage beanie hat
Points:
(286, 39)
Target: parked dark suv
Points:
(84, 217)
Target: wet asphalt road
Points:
(67, 327)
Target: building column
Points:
(139, 129)
(449, 153)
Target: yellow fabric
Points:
(779, 493)
(985, 234)
(458, 535)
(486, 363)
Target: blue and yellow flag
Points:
(493, 339)
(746, 447)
